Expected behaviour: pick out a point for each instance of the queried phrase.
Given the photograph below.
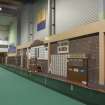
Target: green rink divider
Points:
(85, 95)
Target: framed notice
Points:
(63, 49)
(40, 52)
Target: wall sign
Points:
(41, 19)
(63, 47)
(12, 48)
(40, 52)
(41, 25)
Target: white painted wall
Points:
(43, 33)
(104, 7)
(4, 42)
(3, 49)
(4, 35)
(4, 32)
(29, 15)
(13, 33)
(25, 19)
(69, 14)
(73, 13)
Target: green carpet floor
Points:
(16, 90)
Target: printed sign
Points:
(41, 25)
(12, 48)
(41, 19)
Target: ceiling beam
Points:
(26, 1)
(10, 2)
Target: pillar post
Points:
(49, 54)
(21, 58)
(101, 58)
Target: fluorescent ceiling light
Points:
(0, 9)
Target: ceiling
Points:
(11, 6)
(10, 2)
(16, 2)
(10, 10)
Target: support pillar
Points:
(28, 57)
(21, 58)
(101, 58)
(49, 54)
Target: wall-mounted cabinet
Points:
(77, 70)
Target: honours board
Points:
(39, 52)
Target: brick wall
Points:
(88, 45)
